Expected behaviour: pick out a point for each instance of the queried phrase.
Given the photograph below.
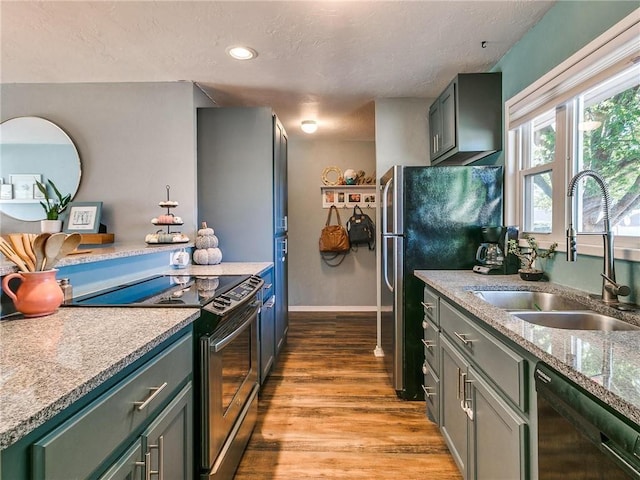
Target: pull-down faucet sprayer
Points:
(610, 289)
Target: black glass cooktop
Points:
(162, 290)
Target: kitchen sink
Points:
(575, 320)
(523, 300)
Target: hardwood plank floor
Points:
(328, 411)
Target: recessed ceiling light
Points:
(242, 53)
(309, 126)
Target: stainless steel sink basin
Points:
(576, 320)
(523, 300)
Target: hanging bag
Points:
(361, 229)
(334, 238)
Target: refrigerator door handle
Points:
(384, 205)
(385, 264)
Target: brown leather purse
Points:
(334, 238)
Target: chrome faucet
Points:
(610, 289)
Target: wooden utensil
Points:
(7, 251)
(18, 248)
(38, 249)
(26, 242)
(69, 244)
(52, 248)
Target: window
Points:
(585, 114)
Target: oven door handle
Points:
(220, 344)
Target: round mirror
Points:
(31, 149)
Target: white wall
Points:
(312, 284)
(133, 140)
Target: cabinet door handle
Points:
(147, 466)
(428, 306)
(155, 391)
(468, 401)
(463, 338)
(160, 447)
(425, 325)
(459, 386)
(427, 344)
(425, 370)
(428, 392)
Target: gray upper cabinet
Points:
(465, 121)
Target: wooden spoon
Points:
(7, 251)
(51, 249)
(28, 248)
(38, 249)
(18, 248)
(68, 245)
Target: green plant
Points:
(528, 258)
(53, 207)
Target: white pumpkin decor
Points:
(207, 251)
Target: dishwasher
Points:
(579, 436)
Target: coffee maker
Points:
(492, 256)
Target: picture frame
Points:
(328, 198)
(83, 217)
(23, 184)
(6, 191)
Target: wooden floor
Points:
(328, 411)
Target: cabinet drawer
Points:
(432, 394)
(267, 288)
(431, 343)
(431, 305)
(97, 430)
(504, 367)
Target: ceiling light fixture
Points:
(242, 53)
(309, 126)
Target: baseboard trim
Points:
(333, 308)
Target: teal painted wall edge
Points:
(565, 29)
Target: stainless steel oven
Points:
(226, 355)
(229, 389)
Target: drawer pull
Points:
(428, 306)
(428, 392)
(154, 393)
(427, 344)
(463, 338)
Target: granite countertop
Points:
(606, 364)
(224, 268)
(48, 363)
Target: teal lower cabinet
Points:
(497, 434)
(487, 438)
(453, 415)
(128, 466)
(478, 389)
(139, 426)
(267, 335)
(167, 445)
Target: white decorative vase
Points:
(50, 226)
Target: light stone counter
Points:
(224, 268)
(48, 363)
(606, 364)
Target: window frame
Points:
(603, 58)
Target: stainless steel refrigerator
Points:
(431, 219)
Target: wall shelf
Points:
(348, 196)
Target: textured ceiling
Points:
(321, 60)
